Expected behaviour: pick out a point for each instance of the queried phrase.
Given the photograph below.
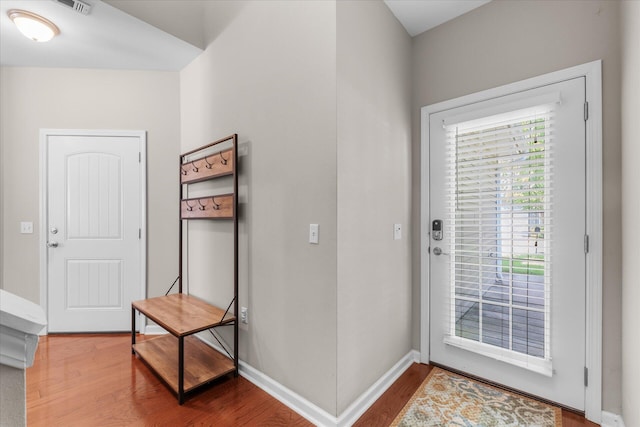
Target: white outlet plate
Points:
(397, 231)
(26, 227)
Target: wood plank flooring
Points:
(93, 380)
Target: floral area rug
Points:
(447, 399)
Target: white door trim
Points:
(44, 153)
(592, 71)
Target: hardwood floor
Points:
(94, 380)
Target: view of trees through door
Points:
(499, 195)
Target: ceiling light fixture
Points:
(33, 26)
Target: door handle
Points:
(438, 251)
(52, 244)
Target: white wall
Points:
(374, 189)
(268, 73)
(35, 98)
(630, 16)
(507, 41)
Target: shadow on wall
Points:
(222, 14)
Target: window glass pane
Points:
(467, 320)
(528, 332)
(495, 325)
(500, 198)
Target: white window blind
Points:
(500, 193)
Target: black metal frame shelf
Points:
(181, 314)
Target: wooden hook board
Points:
(211, 166)
(209, 207)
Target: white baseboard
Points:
(299, 404)
(154, 330)
(310, 411)
(319, 416)
(373, 393)
(611, 420)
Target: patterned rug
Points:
(447, 399)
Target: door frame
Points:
(592, 72)
(44, 219)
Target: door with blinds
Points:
(507, 260)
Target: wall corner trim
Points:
(319, 416)
(309, 410)
(373, 393)
(610, 419)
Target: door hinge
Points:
(586, 111)
(586, 243)
(586, 376)
(139, 156)
(139, 233)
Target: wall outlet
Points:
(26, 227)
(397, 231)
(244, 315)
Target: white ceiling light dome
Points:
(33, 26)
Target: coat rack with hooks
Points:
(213, 165)
(209, 207)
(183, 315)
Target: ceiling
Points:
(129, 35)
(105, 38)
(418, 16)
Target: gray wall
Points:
(268, 74)
(630, 15)
(320, 96)
(35, 98)
(13, 397)
(507, 41)
(374, 192)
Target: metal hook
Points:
(201, 205)
(189, 207)
(193, 164)
(216, 206)
(208, 165)
(182, 171)
(223, 161)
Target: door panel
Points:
(507, 282)
(95, 195)
(94, 220)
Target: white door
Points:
(507, 277)
(94, 223)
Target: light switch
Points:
(397, 231)
(314, 230)
(26, 227)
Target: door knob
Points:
(438, 251)
(52, 244)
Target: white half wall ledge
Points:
(610, 419)
(20, 323)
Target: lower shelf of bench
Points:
(201, 362)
